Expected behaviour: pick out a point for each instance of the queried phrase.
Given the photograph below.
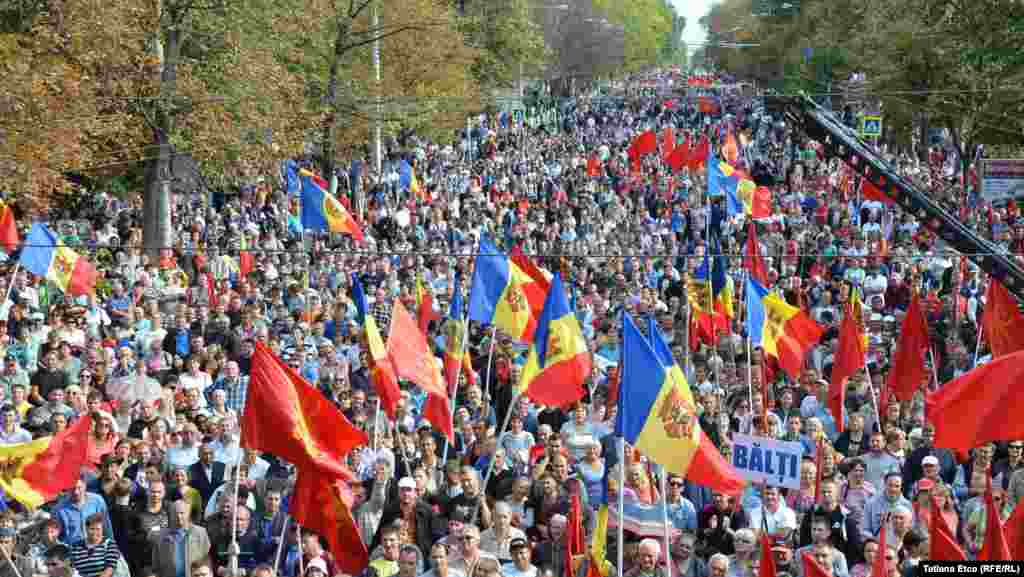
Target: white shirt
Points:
(783, 518)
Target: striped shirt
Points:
(91, 561)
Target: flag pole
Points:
(376, 423)
(977, 348)
(750, 372)
(621, 499)
(935, 369)
(490, 464)
(455, 391)
(490, 358)
(664, 518)
(233, 549)
(7, 557)
(280, 546)
(10, 284)
(875, 401)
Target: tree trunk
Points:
(156, 199)
(329, 147)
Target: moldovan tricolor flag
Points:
(382, 374)
(46, 256)
(558, 362)
(784, 332)
(37, 471)
(497, 294)
(322, 211)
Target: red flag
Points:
(730, 150)
(425, 306)
(943, 545)
(1014, 530)
(880, 568)
(668, 142)
(593, 167)
(1002, 321)
(849, 358)
(995, 547)
(812, 568)
(437, 411)
(245, 263)
(752, 260)
(871, 192)
(990, 395)
(767, 568)
(645, 143)
(211, 290)
(574, 542)
(761, 205)
(679, 156)
(325, 506)
(287, 417)
(8, 230)
(908, 370)
(699, 153)
(410, 354)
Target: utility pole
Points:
(377, 128)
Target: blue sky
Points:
(692, 10)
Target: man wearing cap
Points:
(13, 564)
(913, 467)
(414, 512)
(520, 565)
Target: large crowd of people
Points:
(160, 357)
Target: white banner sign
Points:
(1002, 178)
(769, 461)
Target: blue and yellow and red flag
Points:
(706, 322)
(558, 362)
(497, 295)
(656, 413)
(382, 374)
(781, 329)
(721, 285)
(41, 469)
(744, 196)
(708, 467)
(455, 354)
(408, 181)
(322, 211)
(45, 255)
